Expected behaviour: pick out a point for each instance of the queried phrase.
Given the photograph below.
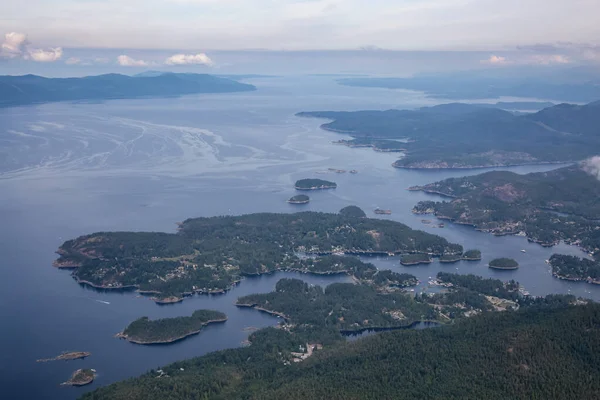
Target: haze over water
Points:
(72, 169)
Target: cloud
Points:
(592, 166)
(496, 60)
(126, 61)
(549, 59)
(189, 59)
(49, 55)
(13, 45)
(16, 45)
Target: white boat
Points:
(523, 251)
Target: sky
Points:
(168, 34)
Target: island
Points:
(299, 199)
(32, 89)
(169, 330)
(314, 184)
(504, 263)
(81, 377)
(434, 137)
(67, 356)
(416, 259)
(211, 255)
(451, 258)
(472, 255)
(573, 268)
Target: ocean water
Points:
(143, 165)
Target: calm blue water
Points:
(72, 169)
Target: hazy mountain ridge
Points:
(31, 89)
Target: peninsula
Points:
(434, 137)
(169, 330)
(546, 207)
(299, 199)
(211, 255)
(573, 268)
(504, 263)
(314, 184)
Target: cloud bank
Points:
(189, 59)
(16, 46)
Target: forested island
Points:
(537, 348)
(546, 207)
(299, 199)
(504, 263)
(67, 356)
(169, 330)
(314, 184)
(32, 89)
(416, 259)
(575, 269)
(472, 255)
(434, 137)
(81, 377)
(210, 255)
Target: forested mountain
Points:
(467, 136)
(548, 350)
(30, 89)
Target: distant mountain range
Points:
(460, 135)
(32, 89)
(573, 85)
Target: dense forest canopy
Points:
(211, 254)
(165, 330)
(546, 350)
(313, 184)
(547, 207)
(504, 263)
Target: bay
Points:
(143, 165)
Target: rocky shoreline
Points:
(122, 335)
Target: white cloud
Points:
(126, 61)
(13, 45)
(496, 60)
(16, 45)
(188, 59)
(41, 55)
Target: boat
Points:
(523, 251)
(382, 212)
(353, 171)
